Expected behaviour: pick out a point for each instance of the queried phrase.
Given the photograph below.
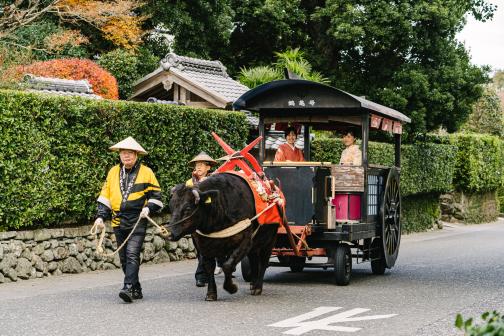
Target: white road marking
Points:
(299, 326)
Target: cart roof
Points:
(302, 97)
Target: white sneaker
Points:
(218, 270)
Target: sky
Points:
(485, 40)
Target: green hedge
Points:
(419, 212)
(479, 162)
(425, 167)
(54, 150)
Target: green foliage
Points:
(478, 163)
(498, 80)
(54, 150)
(127, 67)
(291, 60)
(419, 212)
(403, 54)
(487, 115)
(201, 28)
(479, 207)
(418, 175)
(492, 325)
(500, 197)
(256, 76)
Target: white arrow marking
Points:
(300, 326)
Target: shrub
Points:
(55, 155)
(493, 325)
(419, 212)
(103, 83)
(478, 163)
(127, 67)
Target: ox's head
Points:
(189, 207)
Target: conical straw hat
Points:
(203, 157)
(129, 143)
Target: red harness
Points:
(264, 191)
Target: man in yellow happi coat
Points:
(130, 193)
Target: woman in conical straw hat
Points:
(201, 164)
(130, 193)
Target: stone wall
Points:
(470, 208)
(48, 252)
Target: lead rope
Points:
(99, 245)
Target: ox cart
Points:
(340, 212)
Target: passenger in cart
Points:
(351, 155)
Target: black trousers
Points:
(201, 273)
(130, 253)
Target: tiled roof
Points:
(160, 101)
(210, 74)
(276, 138)
(58, 86)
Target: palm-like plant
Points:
(291, 60)
(252, 77)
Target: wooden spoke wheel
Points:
(390, 213)
(342, 264)
(245, 269)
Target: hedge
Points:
(478, 163)
(54, 150)
(425, 167)
(419, 212)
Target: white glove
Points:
(99, 224)
(144, 213)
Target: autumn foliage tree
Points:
(114, 21)
(103, 83)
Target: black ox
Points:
(219, 202)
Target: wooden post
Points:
(397, 138)
(262, 144)
(365, 140)
(176, 93)
(182, 94)
(306, 142)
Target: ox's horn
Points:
(196, 196)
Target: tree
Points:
(127, 67)
(71, 22)
(201, 28)
(487, 115)
(400, 53)
(498, 80)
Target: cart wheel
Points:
(342, 264)
(378, 263)
(245, 269)
(390, 212)
(297, 263)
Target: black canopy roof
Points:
(295, 96)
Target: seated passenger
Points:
(351, 155)
(287, 151)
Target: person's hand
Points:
(99, 224)
(144, 213)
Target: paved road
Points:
(438, 274)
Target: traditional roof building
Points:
(189, 81)
(58, 86)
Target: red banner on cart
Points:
(397, 129)
(375, 121)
